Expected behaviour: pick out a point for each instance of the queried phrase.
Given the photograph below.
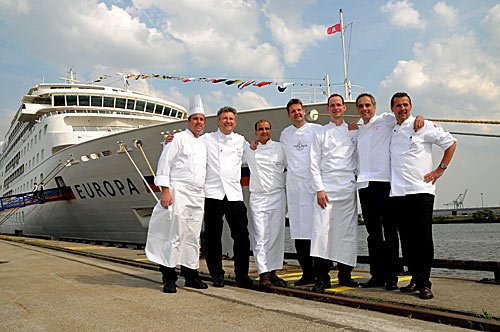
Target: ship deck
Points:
(58, 285)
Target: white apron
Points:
(174, 233)
(300, 202)
(267, 229)
(335, 229)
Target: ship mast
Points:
(347, 84)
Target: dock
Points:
(60, 286)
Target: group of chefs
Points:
(315, 172)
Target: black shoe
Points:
(305, 280)
(169, 287)
(195, 283)
(244, 282)
(277, 281)
(411, 288)
(265, 280)
(348, 283)
(391, 285)
(321, 286)
(373, 282)
(425, 293)
(218, 281)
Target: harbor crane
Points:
(458, 203)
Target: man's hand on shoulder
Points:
(353, 126)
(169, 138)
(418, 123)
(253, 145)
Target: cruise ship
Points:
(79, 159)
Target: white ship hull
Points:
(106, 198)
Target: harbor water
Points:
(479, 242)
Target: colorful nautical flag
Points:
(230, 82)
(283, 86)
(262, 83)
(334, 28)
(241, 86)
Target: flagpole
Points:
(347, 86)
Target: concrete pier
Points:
(47, 290)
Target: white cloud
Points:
(285, 23)
(15, 6)
(220, 33)
(402, 14)
(249, 100)
(447, 14)
(408, 74)
(89, 34)
(446, 72)
(491, 23)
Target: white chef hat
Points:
(196, 106)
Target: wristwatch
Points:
(443, 166)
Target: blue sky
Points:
(443, 53)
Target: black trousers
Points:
(303, 249)
(413, 215)
(170, 275)
(236, 217)
(383, 239)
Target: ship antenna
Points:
(124, 76)
(71, 77)
(347, 84)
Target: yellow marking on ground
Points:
(339, 289)
(294, 274)
(86, 248)
(141, 259)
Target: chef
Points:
(175, 225)
(335, 215)
(267, 204)
(413, 189)
(296, 142)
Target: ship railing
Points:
(35, 197)
(102, 128)
(316, 94)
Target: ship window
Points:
(159, 109)
(139, 105)
(179, 115)
(71, 100)
(84, 100)
(109, 102)
(96, 101)
(167, 111)
(150, 107)
(59, 100)
(120, 102)
(130, 104)
(173, 113)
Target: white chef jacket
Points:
(334, 160)
(411, 156)
(374, 141)
(174, 233)
(224, 158)
(267, 204)
(333, 166)
(267, 167)
(296, 143)
(183, 161)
